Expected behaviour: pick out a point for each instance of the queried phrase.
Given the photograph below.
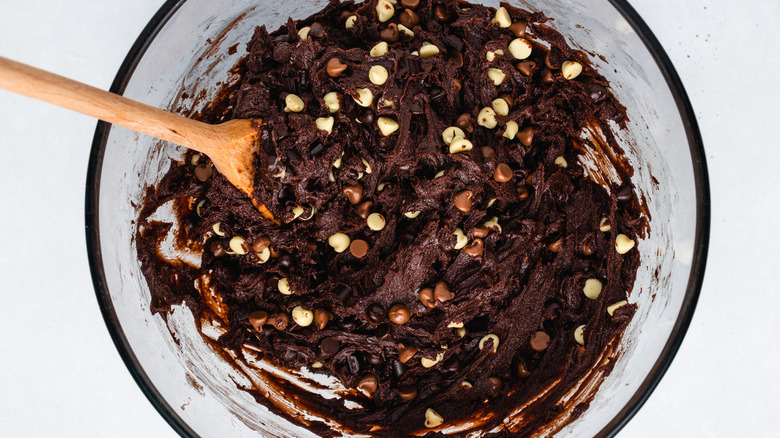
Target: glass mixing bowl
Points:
(187, 47)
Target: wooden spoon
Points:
(230, 145)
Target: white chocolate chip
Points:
(378, 75)
(492, 338)
(496, 75)
(331, 178)
(366, 165)
(316, 365)
(339, 241)
(293, 104)
(579, 334)
(217, 229)
(612, 307)
(376, 222)
(466, 384)
(304, 32)
(380, 187)
(491, 202)
(623, 244)
(237, 245)
(311, 215)
(433, 419)
(198, 207)
(592, 288)
(360, 175)
(487, 118)
(502, 18)
(302, 317)
(415, 53)
(455, 325)
(389, 103)
(297, 211)
(325, 124)
(365, 98)
(350, 23)
(284, 286)
(428, 363)
(439, 174)
(406, 30)
(461, 332)
(194, 160)
(460, 145)
(511, 129)
(337, 163)
(332, 102)
(281, 173)
(604, 225)
(561, 162)
(427, 50)
(379, 50)
(264, 255)
(384, 10)
(500, 106)
(571, 69)
(412, 214)
(460, 239)
(492, 223)
(450, 133)
(387, 125)
(520, 48)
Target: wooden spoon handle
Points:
(67, 93)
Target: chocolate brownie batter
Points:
(439, 248)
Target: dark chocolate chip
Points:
(374, 360)
(217, 248)
(329, 346)
(286, 260)
(452, 365)
(624, 192)
(416, 108)
(554, 58)
(488, 153)
(464, 122)
(407, 392)
(316, 149)
(398, 369)
(597, 92)
(522, 193)
(354, 363)
(522, 369)
(343, 292)
(280, 321)
(496, 384)
(406, 238)
(366, 116)
(454, 42)
(375, 313)
(282, 52)
(364, 209)
(316, 32)
(203, 171)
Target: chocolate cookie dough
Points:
(439, 248)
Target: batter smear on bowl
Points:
(440, 249)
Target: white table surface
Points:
(60, 374)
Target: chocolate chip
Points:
(554, 58)
(354, 192)
(442, 292)
(354, 363)
(405, 352)
(597, 92)
(526, 136)
(279, 320)
(480, 232)
(203, 171)
(441, 13)
(375, 313)
(217, 248)
(282, 52)
(316, 149)
(390, 34)
(454, 42)
(488, 153)
(261, 243)
(368, 384)
(463, 201)
(316, 31)
(409, 18)
(475, 248)
(503, 173)
(464, 122)
(427, 297)
(623, 193)
(366, 116)
(399, 314)
(285, 261)
(416, 108)
(398, 369)
(364, 209)
(410, 3)
(358, 248)
(321, 318)
(522, 369)
(258, 318)
(437, 94)
(496, 384)
(335, 67)
(526, 67)
(522, 193)
(406, 238)
(452, 365)
(552, 310)
(518, 28)
(343, 292)
(407, 392)
(555, 246)
(540, 341)
(374, 360)
(456, 85)
(329, 346)
(547, 77)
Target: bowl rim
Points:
(645, 389)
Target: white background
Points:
(60, 374)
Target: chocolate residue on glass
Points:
(441, 248)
